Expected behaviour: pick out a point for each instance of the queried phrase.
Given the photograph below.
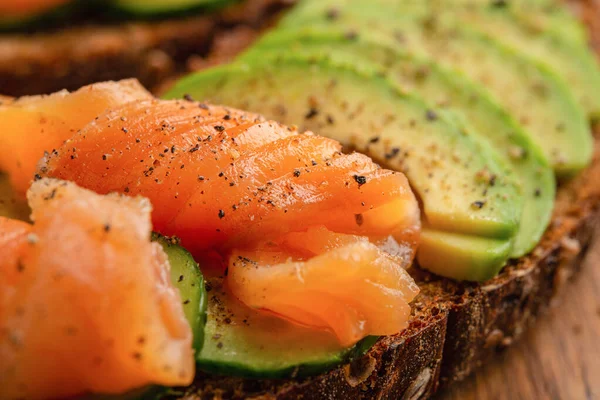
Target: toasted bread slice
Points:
(455, 327)
(151, 51)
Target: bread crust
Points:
(48, 61)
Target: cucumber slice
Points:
(186, 276)
(160, 8)
(240, 341)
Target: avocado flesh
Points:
(366, 111)
(439, 85)
(240, 341)
(187, 278)
(534, 16)
(534, 95)
(570, 59)
(462, 257)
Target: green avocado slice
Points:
(462, 257)
(532, 93)
(571, 59)
(463, 184)
(439, 85)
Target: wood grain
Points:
(558, 359)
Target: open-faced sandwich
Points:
(366, 203)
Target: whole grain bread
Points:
(455, 327)
(152, 51)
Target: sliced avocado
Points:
(535, 96)
(462, 257)
(244, 342)
(449, 89)
(536, 16)
(461, 181)
(572, 60)
(161, 8)
(186, 276)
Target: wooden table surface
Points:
(558, 358)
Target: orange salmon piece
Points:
(218, 177)
(349, 286)
(37, 124)
(90, 307)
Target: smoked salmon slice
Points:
(296, 222)
(219, 178)
(307, 290)
(35, 124)
(86, 303)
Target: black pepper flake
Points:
(200, 178)
(107, 228)
(374, 139)
(104, 157)
(313, 112)
(313, 162)
(351, 35)
(361, 180)
(296, 172)
(478, 204)
(173, 149)
(188, 97)
(227, 117)
(125, 130)
(221, 214)
(126, 190)
(219, 128)
(332, 13)
(137, 356)
(137, 140)
(180, 278)
(538, 192)
(392, 153)
(203, 106)
(20, 267)
(431, 115)
(219, 345)
(359, 219)
(330, 119)
(195, 148)
(186, 302)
